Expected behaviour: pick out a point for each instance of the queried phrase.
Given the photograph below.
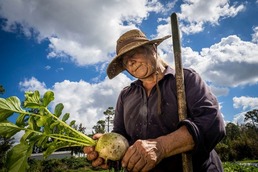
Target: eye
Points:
(128, 62)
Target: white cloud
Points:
(229, 63)
(196, 13)
(18, 136)
(84, 101)
(219, 91)
(245, 103)
(255, 35)
(47, 67)
(33, 84)
(239, 118)
(84, 31)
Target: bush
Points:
(61, 165)
(233, 166)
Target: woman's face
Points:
(139, 63)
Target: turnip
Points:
(111, 146)
(47, 130)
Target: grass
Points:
(82, 165)
(240, 166)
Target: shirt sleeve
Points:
(204, 121)
(119, 126)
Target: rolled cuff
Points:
(194, 131)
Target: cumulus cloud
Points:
(85, 102)
(86, 31)
(255, 35)
(47, 67)
(245, 102)
(225, 60)
(219, 91)
(239, 118)
(195, 13)
(83, 31)
(231, 62)
(33, 84)
(85, 34)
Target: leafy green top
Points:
(41, 128)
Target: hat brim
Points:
(115, 66)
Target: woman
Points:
(146, 112)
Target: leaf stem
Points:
(93, 142)
(81, 142)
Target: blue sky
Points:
(65, 46)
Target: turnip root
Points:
(112, 146)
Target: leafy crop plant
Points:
(48, 130)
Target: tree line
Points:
(240, 142)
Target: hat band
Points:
(121, 44)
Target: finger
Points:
(130, 151)
(99, 161)
(97, 136)
(104, 166)
(88, 149)
(140, 164)
(92, 155)
(135, 158)
(148, 165)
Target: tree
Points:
(109, 113)
(5, 144)
(100, 127)
(240, 143)
(233, 131)
(252, 116)
(2, 90)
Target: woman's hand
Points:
(143, 155)
(93, 156)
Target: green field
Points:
(82, 165)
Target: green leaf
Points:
(48, 97)
(58, 109)
(40, 125)
(9, 106)
(8, 129)
(32, 123)
(35, 137)
(26, 136)
(54, 124)
(53, 146)
(20, 121)
(17, 158)
(42, 121)
(42, 141)
(32, 100)
(65, 117)
(72, 122)
(47, 129)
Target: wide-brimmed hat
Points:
(127, 42)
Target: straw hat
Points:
(127, 42)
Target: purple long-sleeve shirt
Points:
(136, 117)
